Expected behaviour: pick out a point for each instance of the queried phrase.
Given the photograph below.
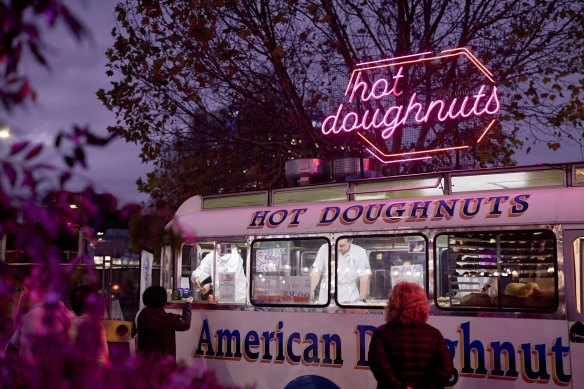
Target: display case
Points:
(492, 269)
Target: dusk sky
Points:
(66, 96)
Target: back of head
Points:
(407, 304)
(78, 298)
(154, 296)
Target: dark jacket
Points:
(156, 330)
(414, 356)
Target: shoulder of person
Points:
(382, 328)
(432, 329)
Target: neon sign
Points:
(379, 106)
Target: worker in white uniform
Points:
(352, 269)
(229, 264)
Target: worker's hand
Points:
(206, 288)
(197, 282)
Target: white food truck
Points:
(500, 253)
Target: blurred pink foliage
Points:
(35, 211)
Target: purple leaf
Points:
(18, 147)
(96, 140)
(64, 178)
(28, 181)
(69, 161)
(74, 25)
(38, 55)
(34, 151)
(24, 91)
(80, 155)
(10, 172)
(58, 140)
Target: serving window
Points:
(214, 271)
(281, 271)
(390, 259)
(511, 270)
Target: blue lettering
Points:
(559, 352)
(280, 343)
(229, 339)
(476, 347)
(362, 332)
(346, 219)
(267, 337)
(394, 212)
(495, 202)
(258, 220)
(205, 340)
(519, 205)
(293, 359)
(296, 212)
(329, 215)
(529, 374)
(329, 342)
(310, 354)
(277, 217)
(446, 206)
(252, 341)
(497, 349)
(368, 218)
(466, 212)
(415, 208)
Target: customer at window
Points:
(156, 328)
(406, 352)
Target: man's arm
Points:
(318, 265)
(365, 272)
(363, 287)
(202, 271)
(314, 279)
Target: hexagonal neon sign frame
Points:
(363, 91)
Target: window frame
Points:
(425, 262)
(499, 307)
(196, 248)
(252, 253)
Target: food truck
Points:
(499, 251)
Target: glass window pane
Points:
(368, 267)
(236, 200)
(395, 189)
(303, 195)
(187, 263)
(578, 175)
(515, 269)
(219, 275)
(282, 271)
(498, 181)
(167, 268)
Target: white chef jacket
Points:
(349, 268)
(228, 263)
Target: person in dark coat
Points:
(156, 328)
(406, 352)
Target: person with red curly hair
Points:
(406, 352)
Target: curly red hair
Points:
(407, 304)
